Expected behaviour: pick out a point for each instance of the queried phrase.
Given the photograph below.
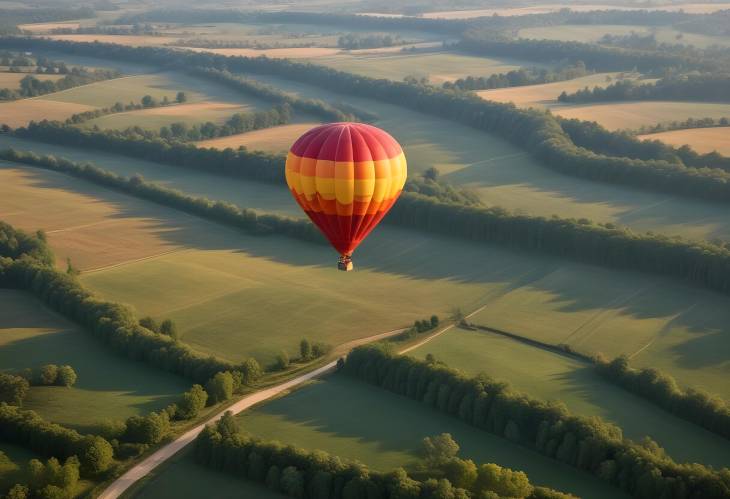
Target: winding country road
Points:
(140, 470)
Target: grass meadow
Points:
(108, 386)
(548, 375)
(702, 140)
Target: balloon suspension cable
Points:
(345, 262)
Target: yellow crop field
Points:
(632, 115)
(275, 139)
(12, 80)
(702, 140)
(20, 112)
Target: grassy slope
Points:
(329, 415)
(702, 140)
(675, 327)
(550, 376)
(108, 386)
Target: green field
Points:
(436, 66)
(158, 85)
(108, 386)
(354, 420)
(549, 376)
(594, 32)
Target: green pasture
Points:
(158, 85)
(436, 66)
(548, 375)
(354, 420)
(108, 386)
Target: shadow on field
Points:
(387, 431)
(415, 256)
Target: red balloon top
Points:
(346, 142)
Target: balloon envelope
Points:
(346, 176)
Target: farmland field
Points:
(547, 93)
(437, 66)
(20, 112)
(354, 420)
(227, 291)
(12, 80)
(593, 33)
(157, 117)
(702, 140)
(276, 139)
(697, 8)
(108, 386)
(549, 376)
(158, 85)
(631, 115)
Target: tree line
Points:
(255, 165)
(28, 429)
(518, 78)
(354, 41)
(689, 123)
(51, 480)
(595, 57)
(691, 87)
(597, 138)
(145, 102)
(238, 123)
(10, 18)
(694, 405)
(589, 444)
(299, 473)
(30, 86)
(536, 131)
(581, 240)
(112, 323)
(311, 106)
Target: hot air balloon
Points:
(346, 176)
